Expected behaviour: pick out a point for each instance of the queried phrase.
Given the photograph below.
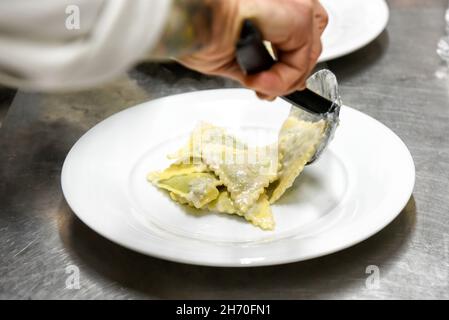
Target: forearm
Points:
(188, 28)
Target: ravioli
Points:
(183, 167)
(215, 171)
(259, 214)
(198, 188)
(223, 204)
(205, 134)
(245, 171)
(245, 180)
(298, 142)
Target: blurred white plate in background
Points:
(352, 25)
(358, 186)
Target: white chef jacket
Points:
(42, 46)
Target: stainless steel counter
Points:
(393, 79)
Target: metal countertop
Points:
(392, 79)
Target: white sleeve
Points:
(38, 51)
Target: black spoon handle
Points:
(253, 57)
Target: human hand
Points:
(294, 28)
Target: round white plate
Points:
(360, 184)
(352, 25)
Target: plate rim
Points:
(394, 212)
(351, 49)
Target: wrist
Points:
(188, 28)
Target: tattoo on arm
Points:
(187, 29)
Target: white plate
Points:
(352, 25)
(360, 184)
